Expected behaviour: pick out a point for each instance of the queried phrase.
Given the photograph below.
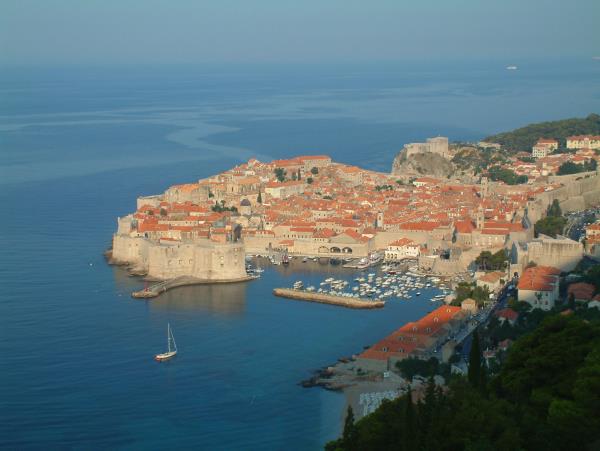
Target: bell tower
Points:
(480, 218)
(484, 187)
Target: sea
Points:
(79, 144)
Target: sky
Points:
(200, 31)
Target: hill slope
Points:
(525, 137)
(547, 396)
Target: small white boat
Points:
(172, 351)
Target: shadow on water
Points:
(224, 299)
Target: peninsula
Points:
(314, 207)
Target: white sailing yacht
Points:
(171, 351)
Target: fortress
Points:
(438, 145)
(203, 259)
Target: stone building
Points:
(438, 145)
(560, 252)
(538, 286)
(583, 142)
(544, 147)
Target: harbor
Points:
(387, 282)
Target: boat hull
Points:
(165, 356)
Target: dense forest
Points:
(522, 139)
(545, 397)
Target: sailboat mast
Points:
(169, 336)
(174, 344)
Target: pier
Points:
(158, 288)
(342, 301)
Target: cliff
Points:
(422, 164)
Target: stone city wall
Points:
(203, 259)
(207, 261)
(575, 195)
(153, 201)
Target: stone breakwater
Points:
(321, 298)
(161, 287)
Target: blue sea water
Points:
(78, 145)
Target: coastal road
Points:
(482, 317)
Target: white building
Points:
(491, 280)
(538, 286)
(583, 142)
(544, 147)
(402, 249)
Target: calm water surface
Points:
(78, 146)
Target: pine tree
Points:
(411, 424)
(350, 432)
(483, 380)
(259, 198)
(474, 374)
(427, 413)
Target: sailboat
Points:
(172, 351)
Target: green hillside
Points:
(525, 137)
(545, 397)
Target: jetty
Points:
(322, 298)
(163, 286)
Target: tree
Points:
(413, 366)
(546, 395)
(280, 174)
(592, 276)
(483, 260)
(474, 373)
(410, 423)
(349, 434)
(554, 209)
(524, 138)
(259, 198)
(550, 225)
(569, 167)
(506, 175)
(309, 180)
(314, 170)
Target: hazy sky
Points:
(194, 31)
